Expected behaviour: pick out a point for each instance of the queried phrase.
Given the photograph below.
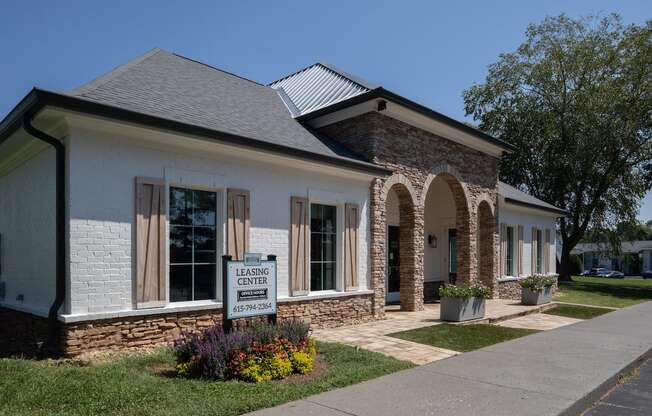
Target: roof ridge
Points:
(293, 73)
(113, 73)
(361, 82)
(218, 69)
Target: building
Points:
(634, 258)
(163, 164)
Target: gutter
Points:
(561, 212)
(60, 213)
(38, 99)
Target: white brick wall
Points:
(102, 171)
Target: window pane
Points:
(180, 283)
(205, 207)
(328, 279)
(205, 282)
(180, 244)
(315, 247)
(204, 244)
(316, 218)
(329, 223)
(328, 242)
(315, 276)
(180, 209)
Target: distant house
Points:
(634, 257)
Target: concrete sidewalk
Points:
(557, 372)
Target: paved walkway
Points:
(539, 321)
(557, 372)
(372, 336)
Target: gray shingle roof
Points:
(512, 194)
(163, 84)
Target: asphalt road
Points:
(634, 398)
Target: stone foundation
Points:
(25, 331)
(512, 290)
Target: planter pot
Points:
(458, 309)
(530, 297)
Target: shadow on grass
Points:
(618, 288)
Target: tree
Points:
(576, 100)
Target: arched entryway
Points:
(446, 250)
(486, 245)
(403, 281)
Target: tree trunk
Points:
(566, 265)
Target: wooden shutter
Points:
(150, 243)
(237, 223)
(520, 250)
(546, 253)
(352, 220)
(299, 250)
(534, 251)
(503, 249)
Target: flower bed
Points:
(261, 352)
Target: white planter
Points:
(530, 297)
(462, 309)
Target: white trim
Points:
(339, 233)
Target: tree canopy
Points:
(576, 100)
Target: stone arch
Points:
(465, 243)
(398, 179)
(486, 244)
(411, 272)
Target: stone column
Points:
(377, 249)
(411, 252)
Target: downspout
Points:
(60, 213)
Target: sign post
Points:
(248, 288)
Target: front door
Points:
(393, 281)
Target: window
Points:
(193, 237)
(510, 252)
(452, 252)
(323, 247)
(539, 251)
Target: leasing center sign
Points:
(250, 287)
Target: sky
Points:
(428, 51)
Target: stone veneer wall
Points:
(164, 328)
(512, 290)
(417, 156)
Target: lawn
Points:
(615, 293)
(577, 312)
(462, 338)
(134, 385)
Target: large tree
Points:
(576, 100)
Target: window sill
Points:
(505, 279)
(324, 295)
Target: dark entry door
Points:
(393, 264)
(452, 255)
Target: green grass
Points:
(131, 386)
(462, 338)
(577, 312)
(615, 293)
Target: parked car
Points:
(586, 272)
(613, 274)
(647, 274)
(596, 271)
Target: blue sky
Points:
(429, 51)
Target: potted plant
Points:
(536, 289)
(462, 303)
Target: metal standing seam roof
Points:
(319, 86)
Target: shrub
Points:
(537, 282)
(464, 292)
(261, 352)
